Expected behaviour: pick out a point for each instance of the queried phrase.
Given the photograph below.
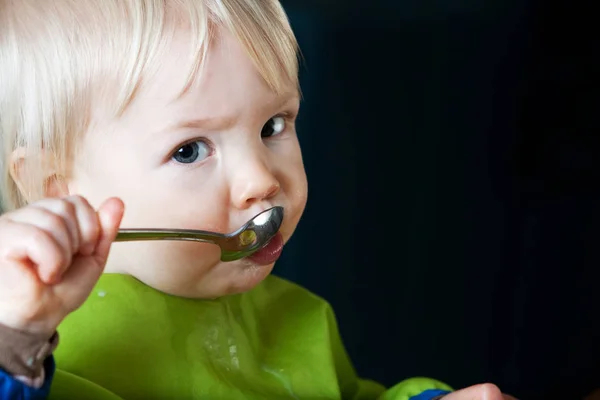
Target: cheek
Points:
(294, 174)
(173, 267)
(166, 203)
(180, 255)
(300, 198)
(294, 182)
(101, 170)
(300, 187)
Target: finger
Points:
(485, 391)
(88, 225)
(26, 244)
(47, 221)
(54, 226)
(66, 210)
(83, 275)
(110, 215)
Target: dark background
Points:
(452, 155)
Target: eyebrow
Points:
(205, 123)
(213, 123)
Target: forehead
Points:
(228, 82)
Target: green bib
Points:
(278, 341)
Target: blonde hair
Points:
(55, 54)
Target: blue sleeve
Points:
(13, 389)
(429, 394)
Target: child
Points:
(184, 111)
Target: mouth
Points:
(270, 252)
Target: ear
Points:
(22, 163)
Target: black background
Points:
(452, 155)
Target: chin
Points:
(250, 275)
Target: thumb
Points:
(110, 215)
(83, 274)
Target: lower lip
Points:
(270, 253)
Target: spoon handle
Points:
(129, 235)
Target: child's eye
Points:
(192, 152)
(273, 127)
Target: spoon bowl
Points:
(243, 242)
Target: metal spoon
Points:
(243, 242)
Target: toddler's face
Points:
(211, 159)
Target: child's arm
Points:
(410, 389)
(51, 255)
(26, 364)
(477, 392)
(13, 387)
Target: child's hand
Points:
(51, 256)
(478, 392)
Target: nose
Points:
(253, 182)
